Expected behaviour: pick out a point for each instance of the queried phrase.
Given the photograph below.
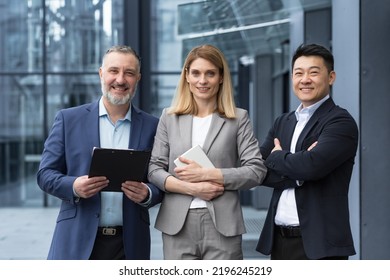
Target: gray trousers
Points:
(199, 240)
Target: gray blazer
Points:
(231, 146)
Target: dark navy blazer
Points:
(322, 201)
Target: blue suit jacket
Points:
(322, 200)
(67, 155)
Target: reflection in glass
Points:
(78, 33)
(50, 56)
(20, 135)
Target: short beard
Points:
(115, 100)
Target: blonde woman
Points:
(200, 216)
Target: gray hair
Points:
(125, 50)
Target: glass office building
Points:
(50, 55)
(51, 50)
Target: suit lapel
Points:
(185, 130)
(288, 131)
(91, 125)
(216, 125)
(321, 111)
(136, 128)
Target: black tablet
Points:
(119, 165)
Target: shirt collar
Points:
(311, 109)
(103, 111)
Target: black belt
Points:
(288, 231)
(110, 230)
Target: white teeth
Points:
(120, 88)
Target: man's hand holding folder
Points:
(119, 166)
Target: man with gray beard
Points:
(96, 224)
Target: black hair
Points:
(314, 50)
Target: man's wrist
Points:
(147, 199)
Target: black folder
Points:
(119, 165)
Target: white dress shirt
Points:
(286, 213)
(200, 128)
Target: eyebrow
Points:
(117, 68)
(207, 70)
(310, 68)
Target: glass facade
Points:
(51, 52)
(241, 29)
(166, 52)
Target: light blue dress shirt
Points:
(112, 136)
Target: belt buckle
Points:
(109, 231)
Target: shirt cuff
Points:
(299, 183)
(75, 195)
(147, 200)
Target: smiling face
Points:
(119, 76)
(204, 79)
(311, 79)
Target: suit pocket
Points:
(67, 211)
(338, 231)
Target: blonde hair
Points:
(184, 102)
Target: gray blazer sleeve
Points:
(160, 161)
(230, 144)
(249, 170)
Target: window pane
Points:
(21, 33)
(20, 137)
(164, 86)
(66, 91)
(70, 44)
(79, 32)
